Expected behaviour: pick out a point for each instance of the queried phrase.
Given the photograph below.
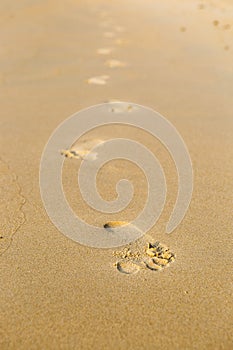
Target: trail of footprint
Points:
(82, 150)
(104, 51)
(98, 80)
(11, 203)
(121, 107)
(113, 63)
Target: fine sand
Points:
(58, 57)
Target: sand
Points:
(174, 56)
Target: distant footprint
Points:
(116, 106)
(82, 150)
(105, 51)
(114, 63)
(98, 80)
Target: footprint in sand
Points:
(98, 80)
(82, 150)
(104, 51)
(141, 254)
(121, 107)
(114, 63)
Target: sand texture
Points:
(58, 57)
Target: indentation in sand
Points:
(128, 267)
(82, 150)
(143, 254)
(114, 224)
(98, 80)
(11, 203)
(115, 63)
(121, 108)
(104, 51)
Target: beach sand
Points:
(58, 57)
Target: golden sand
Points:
(58, 294)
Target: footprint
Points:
(114, 224)
(104, 51)
(83, 150)
(98, 80)
(114, 63)
(84, 155)
(144, 253)
(121, 108)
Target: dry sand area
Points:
(57, 57)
